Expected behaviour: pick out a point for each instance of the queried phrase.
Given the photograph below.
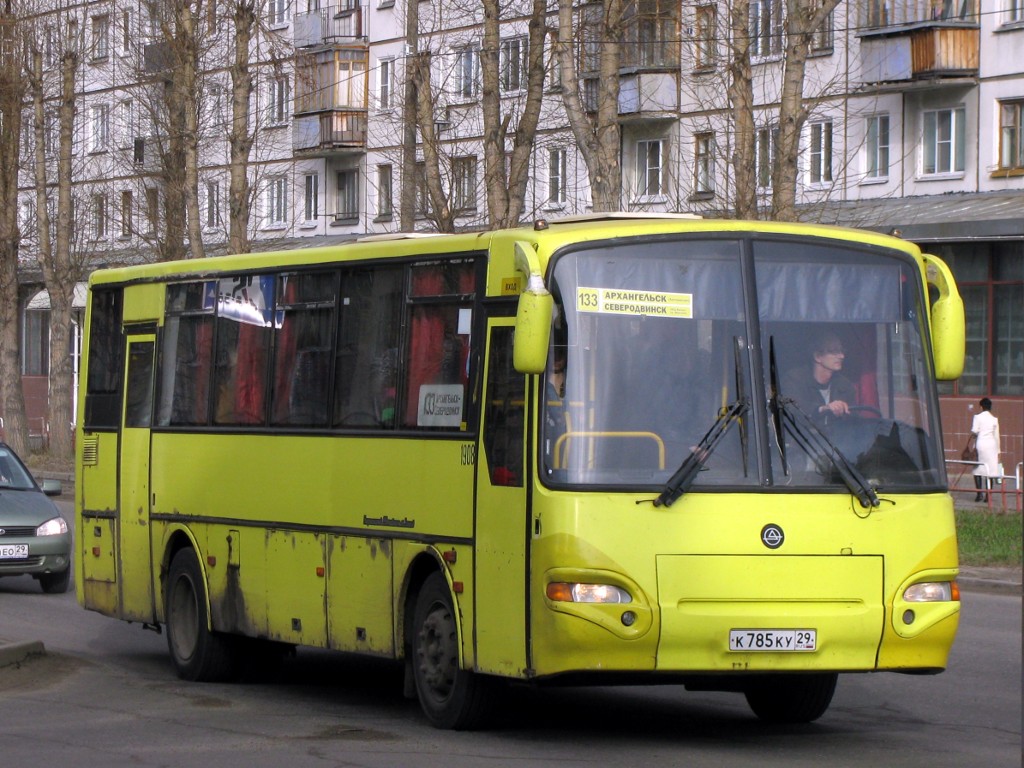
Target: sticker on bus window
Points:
(616, 301)
(440, 405)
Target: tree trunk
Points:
(741, 101)
(239, 138)
(407, 200)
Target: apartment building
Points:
(914, 125)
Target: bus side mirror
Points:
(949, 332)
(533, 315)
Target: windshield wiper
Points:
(684, 477)
(681, 481)
(785, 412)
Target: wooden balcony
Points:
(923, 51)
(338, 131)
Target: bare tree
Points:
(741, 98)
(56, 255)
(506, 190)
(240, 138)
(594, 125)
(12, 93)
(407, 199)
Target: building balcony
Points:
(648, 96)
(336, 132)
(326, 26)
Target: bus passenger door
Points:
(502, 522)
(135, 569)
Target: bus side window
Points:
(505, 408)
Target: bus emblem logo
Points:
(772, 536)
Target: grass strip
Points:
(989, 538)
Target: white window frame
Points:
(126, 33)
(766, 29)
(558, 160)
(99, 29)
(385, 190)
(467, 72)
(310, 198)
(819, 153)
(650, 169)
(704, 163)
(1014, 12)
(464, 173)
(211, 217)
(943, 156)
(126, 130)
(277, 101)
(99, 128)
(278, 12)
(277, 201)
(765, 151)
(514, 63)
(877, 147)
(386, 83)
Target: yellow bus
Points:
(617, 448)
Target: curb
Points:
(16, 653)
(995, 586)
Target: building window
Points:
(556, 176)
(348, 195)
(467, 63)
(99, 216)
(991, 280)
(127, 213)
(764, 155)
(384, 191)
(311, 198)
(649, 168)
(464, 184)
(277, 101)
(822, 37)
(422, 193)
(385, 89)
(943, 141)
(36, 343)
(125, 123)
(126, 32)
(277, 201)
(705, 37)
(1011, 135)
(877, 146)
(765, 28)
(591, 94)
(152, 210)
(100, 37)
(212, 205)
(277, 11)
(1014, 11)
(514, 63)
(704, 164)
(99, 119)
(820, 160)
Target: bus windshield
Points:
(770, 362)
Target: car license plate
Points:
(773, 640)
(13, 551)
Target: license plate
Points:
(773, 640)
(13, 551)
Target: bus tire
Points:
(791, 698)
(199, 655)
(450, 697)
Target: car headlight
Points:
(54, 527)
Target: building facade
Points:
(914, 125)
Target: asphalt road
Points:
(105, 695)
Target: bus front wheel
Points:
(791, 698)
(198, 654)
(450, 697)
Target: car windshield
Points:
(12, 473)
(651, 345)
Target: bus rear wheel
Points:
(449, 696)
(791, 698)
(199, 655)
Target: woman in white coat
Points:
(985, 428)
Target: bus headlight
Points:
(932, 592)
(563, 592)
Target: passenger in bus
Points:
(820, 389)
(554, 395)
